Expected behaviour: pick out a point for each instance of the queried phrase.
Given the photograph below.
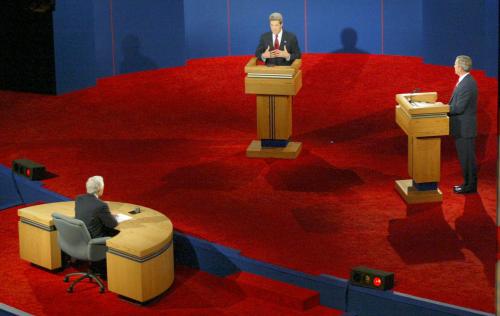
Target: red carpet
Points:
(175, 140)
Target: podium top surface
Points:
(424, 103)
(252, 68)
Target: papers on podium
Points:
(420, 104)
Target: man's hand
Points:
(280, 53)
(266, 54)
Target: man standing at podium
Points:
(278, 47)
(463, 109)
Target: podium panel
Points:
(424, 157)
(421, 127)
(274, 86)
(38, 245)
(274, 117)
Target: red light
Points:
(377, 281)
(28, 172)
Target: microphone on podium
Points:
(416, 90)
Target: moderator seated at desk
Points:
(140, 259)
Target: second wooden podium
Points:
(424, 120)
(274, 87)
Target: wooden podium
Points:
(274, 86)
(424, 120)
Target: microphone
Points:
(416, 90)
(135, 211)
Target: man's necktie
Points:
(276, 42)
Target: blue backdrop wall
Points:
(454, 27)
(490, 42)
(437, 30)
(135, 35)
(402, 27)
(104, 45)
(206, 28)
(341, 26)
(74, 50)
(103, 38)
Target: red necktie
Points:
(276, 43)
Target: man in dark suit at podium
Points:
(278, 47)
(463, 109)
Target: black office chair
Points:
(74, 239)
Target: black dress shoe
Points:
(464, 190)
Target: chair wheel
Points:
(66, 279)
(70, 290)
(101, 290)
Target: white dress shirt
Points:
(462, 77)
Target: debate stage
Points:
(175, 140)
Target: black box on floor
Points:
(29, 169)
(375, 279)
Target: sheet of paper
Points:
(420, 104)
(122, 217)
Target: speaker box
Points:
(29, 169)
(375, 279)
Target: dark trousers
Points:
(466, 151)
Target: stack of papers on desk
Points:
(122, 217)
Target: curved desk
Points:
(140, 259)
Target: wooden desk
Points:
(140, 259)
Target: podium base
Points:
(413, 196)
(291, 151)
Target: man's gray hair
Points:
(276, 17)
(94, 184)
(465, 62)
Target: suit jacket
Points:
(463, 108)
(95, 214)
(287, 39)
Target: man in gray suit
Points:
(463, 109)
(278, 47)
(94, 212)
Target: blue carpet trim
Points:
(30, 191)
(6, 310)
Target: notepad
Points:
(122, 218)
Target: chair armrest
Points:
(99, 241)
